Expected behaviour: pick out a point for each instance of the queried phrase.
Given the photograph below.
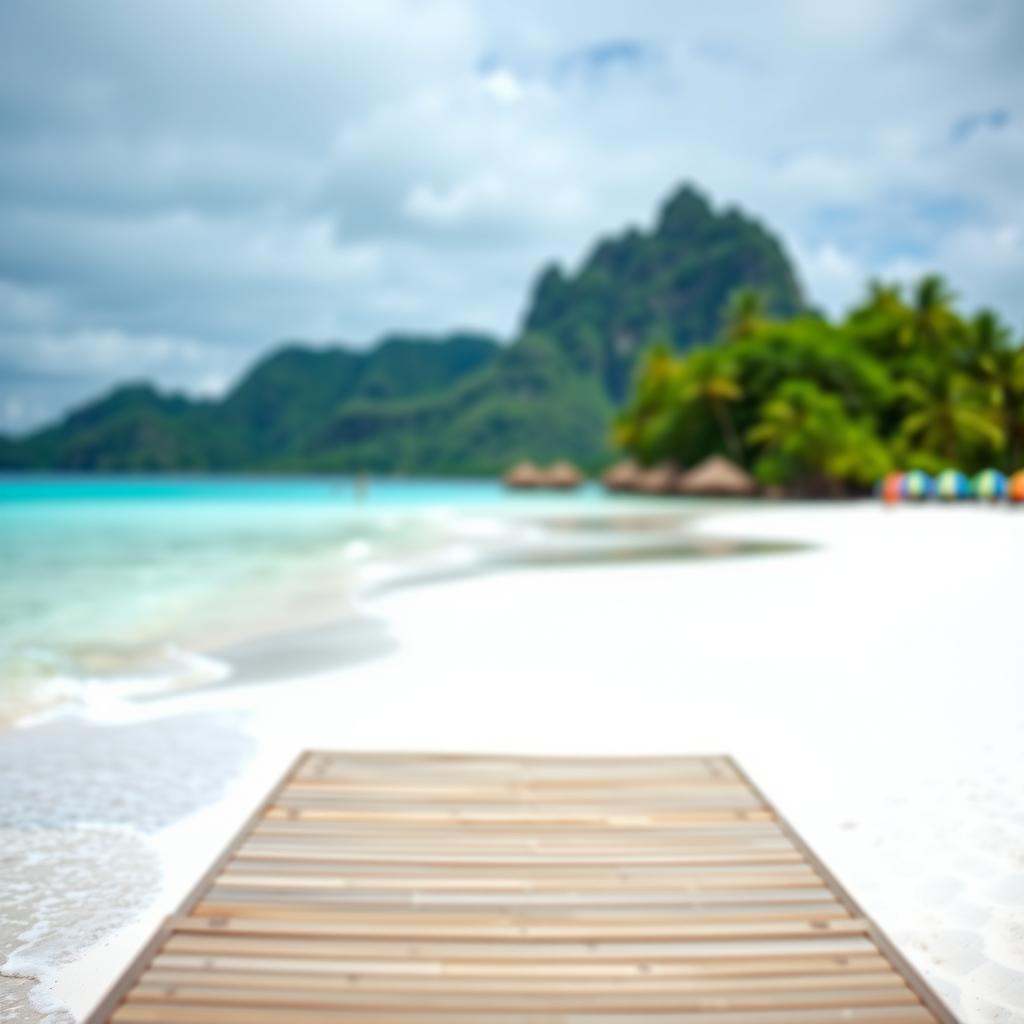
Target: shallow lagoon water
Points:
(124, 586)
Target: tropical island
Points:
(669, 345)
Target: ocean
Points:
(119, 586)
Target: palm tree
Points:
(884, 298)
(1000, 365)
(654, 395)
(934, 319)
(883, 321)
(745, 313)
(1013, 408)
(809, 439)
(988, 334)
(710, 378)
(948, 414)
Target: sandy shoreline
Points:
(870, 685)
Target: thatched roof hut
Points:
(659, 479)
(622, 476)
(562, 476)
(523, 475)
(717, 476)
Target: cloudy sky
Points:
(183, 184)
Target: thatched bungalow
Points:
(717, 476)
(562, 476)
(524, 475)
(660, 479)
(622, 476)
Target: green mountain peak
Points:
(461, 403)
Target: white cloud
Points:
(100, 351)
(462, 201)
(990, 259)
(221, 181)
(832, 276)
(74, 365)
(821, 177)
(502, 85)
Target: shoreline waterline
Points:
(638, 656)
(212, 574)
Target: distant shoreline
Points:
(197, 654)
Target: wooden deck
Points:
(431, 889)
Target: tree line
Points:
(819, 407)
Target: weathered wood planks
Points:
(430, 888)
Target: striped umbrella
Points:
(990, 485)
(952, 485)
(1016, 487)
(891, 488)
(917, 485)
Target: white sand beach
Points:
(871, 684)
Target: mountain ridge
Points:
(459, 402)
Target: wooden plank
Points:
(416, 928)
(569, 905)
(135, 1013)
(442, 982)
(491, 889)
(690, 897)
(361, 961)
(735, 821)
(585, 1000)
(260, 936)
(532, 936)
(416, 765)
(713, 876)
(718, 796)
(514, 817)
(537, 790)
(376, 860)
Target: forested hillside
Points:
(461, 404)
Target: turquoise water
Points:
(108, 578)
(334, 492)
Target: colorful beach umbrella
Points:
(990, 485)
(917, 485)
(1015, 490)
(891, 488)
(952, 485)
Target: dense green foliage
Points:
(271, 419)
(459, 405)
(528, 403)
(822, 408)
